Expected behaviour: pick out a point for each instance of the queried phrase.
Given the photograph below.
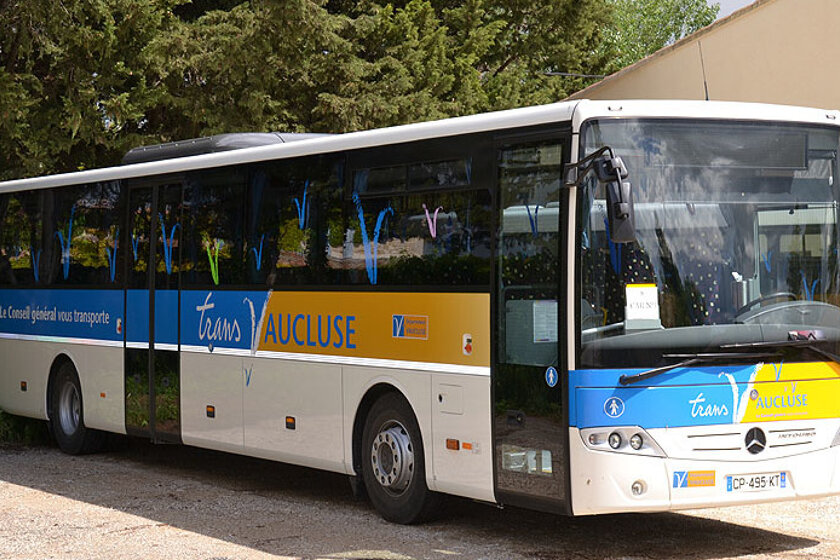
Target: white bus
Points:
(580, 308)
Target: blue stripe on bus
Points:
(137, 316)
(90, 314)
(691, 396)
(166, 317)
(221, 319)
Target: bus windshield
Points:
(736, 240)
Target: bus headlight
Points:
(613, 440)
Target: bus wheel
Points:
(393, 463)
(67, 414)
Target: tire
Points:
(393, 463)
(67, 419)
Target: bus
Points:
(580, 308)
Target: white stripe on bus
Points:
(320, 358)
(344, 360)
(63, 340)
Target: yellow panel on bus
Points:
(419, 327)
(795, 391)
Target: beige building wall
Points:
(773, 51)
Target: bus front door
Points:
(152, 361)
(530, 371)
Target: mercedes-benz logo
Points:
(755, 441)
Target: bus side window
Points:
(420, 224)
(528, 246)
(85, 227)
(8, 245)
(445, 240)
(294, 223)
(214, 246)
(21, 246)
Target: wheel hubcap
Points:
(69, 407)
(392, 457)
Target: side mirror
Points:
(611, 173)
(621, 215)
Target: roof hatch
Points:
(212, 144)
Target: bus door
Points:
(530, 426)
(152, 361)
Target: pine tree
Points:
(82, 81)
(73, 86)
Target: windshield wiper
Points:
(690, 360)
(796, 339)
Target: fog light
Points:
(636, 441)
(615, 440)
(594, 439)
(638, 488)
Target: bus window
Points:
(294, 223)
(736, 224)
(793, 247)
(435, 233)
(528, 250)
(214, 252)
(16, 234)
(85, 227)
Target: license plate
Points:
(756, 482)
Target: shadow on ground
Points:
(287, 510)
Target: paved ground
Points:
(148, 502)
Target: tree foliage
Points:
(642, 27)
(73, 85)
(82, 81)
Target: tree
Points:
(400, 69)
(255, 67)
(538, 38)
(340, 66)
(82, 81)
(642, 27)
(73, 87)
(425, 59)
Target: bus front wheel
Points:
(393, 462)
(67, 414)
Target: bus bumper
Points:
(607, 482)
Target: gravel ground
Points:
(160, 502)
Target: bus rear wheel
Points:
(393, 463)
(67, 414)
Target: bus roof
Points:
(577, 111)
